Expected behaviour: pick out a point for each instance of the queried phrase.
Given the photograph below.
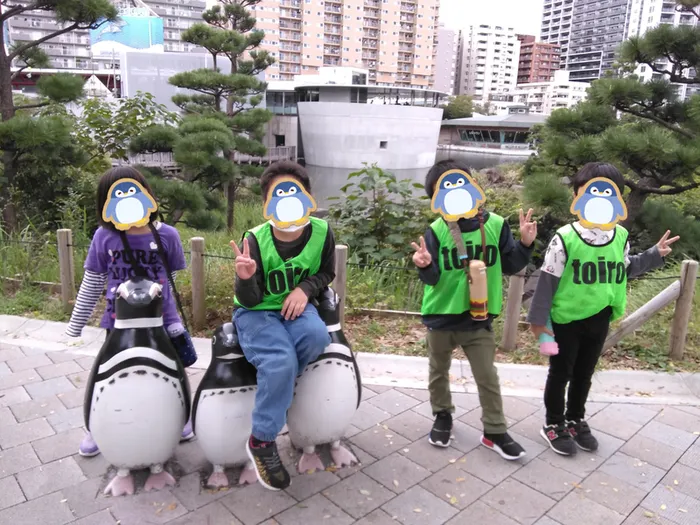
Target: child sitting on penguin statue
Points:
(280, 264)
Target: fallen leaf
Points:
(615, 490)
(463, 460)
(663, 506)
(453, 461)
(453, 500)
(675, 482)
(405, 451)
(417, 510)
(460, 480)
(576, 485)
(649, 514)
(63, 500)
(603, 483)
(331, 468)
(310, 471)
(364, 492)
(172, 506)
(696, 433)
(683, 511)
(159, 511)
(327, 516)
(396, 483)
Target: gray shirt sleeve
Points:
(644, 262)
(541, 304)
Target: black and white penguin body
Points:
(223, 407)
(327, 395)
(137, 397)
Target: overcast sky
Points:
(524, 16)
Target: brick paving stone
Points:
(672, 505)
(612, 492)
(582, 464)
(316, 509)
(13, 396)
(62, 356)
(420, 395)
(393, 402)
(50, 387)
(651, 451)
(72, 399)
(550, 481)
(464, 437)
(480, 513)
(368, 416)
(378, 389)
(455, 486)
(84, 362)
(517, 409)
(47, 510)
(80, 379)
(544, 520)
(25, 377)
(25, 363)
(529, 428)
(9, 353)
(668, 435)
(417, 506)
(147, 507)
(410, 425)
(518, 501)
(367, 393)
(473, 419)
(193, 495)
(306, 485)
(352, 430)
(634, 471)
(17, 459)
(465, 401)
(50, 477)
(7, 418)
(13, 435)
(532, 448)
(379, 442)
(607, 445)
(430, 457)
(642, 516)
(10, 493)
(576, 509)
(378, 517)
(396, 472)
(487, 465)
(101, 518)
(213, 514)
(36, 408)
(692, 456)
(92, 467)
(358, 495)
(4, 369)
(58, 370)
(87, 498)
(67, 420)
(677, 418)
(58, 446)
(253, 503)
(190, 457)
(683, 479)
(621, 421)
(689, 409)
(425, 410)
(364, 458)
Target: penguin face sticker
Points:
(128, 205)
(457, 196)
(288, 205)
(599, 204)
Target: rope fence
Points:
(386, 288)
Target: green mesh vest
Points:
(281, 277)
(451, 294)
(594, 277)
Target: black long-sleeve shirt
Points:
(249, 292)
(514, 257)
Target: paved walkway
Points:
(647, 470)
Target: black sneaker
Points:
(581, 433)
(504, 445)
(268, 466)
(559, 439)
(441, 433)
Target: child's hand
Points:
(528, 228)
(245, 266)
(538, 330)
(664, 244)
(422, 257)
(294, 304)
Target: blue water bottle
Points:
(548, 346)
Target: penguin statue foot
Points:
(248, 475)
(309, 461)
(342, 457)
(158, 479)
(218, 478)
(123, 483)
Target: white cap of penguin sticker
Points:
(599, 205)
(129, 205)
(288, 205)
(457, 196)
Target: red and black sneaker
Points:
(503, 445)
(559, 439)
(582, 435)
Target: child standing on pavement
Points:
(583, 287)
(446, 308)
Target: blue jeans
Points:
(279, 350)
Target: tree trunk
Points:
(230, 202)
(176, 217)
(7, 111)
(635, 202)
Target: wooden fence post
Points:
(64, 240)
(684, 306)
(514, 302)
(199, 313)
(341, 278)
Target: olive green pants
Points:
(480, 349)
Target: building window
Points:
(279, 141)
(383, 144)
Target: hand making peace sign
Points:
(422, 257)
(664, 244)
(245, 266)
(528, 228)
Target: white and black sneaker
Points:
(441, 434)
(504, 445)
(559, 439)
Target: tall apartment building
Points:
(538, 61)
(589, 33)
(394, 41)
(488, 61)
(446, 60)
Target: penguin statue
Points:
(137, 397)
(223, 408)
(327, 394)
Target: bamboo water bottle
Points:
(478, 291)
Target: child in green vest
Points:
(279, 267)
(582, 288)
(446, 312)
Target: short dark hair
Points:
(109, 178)
(438, 169)
(593, 170)
(281, 169)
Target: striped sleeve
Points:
(90, 291)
